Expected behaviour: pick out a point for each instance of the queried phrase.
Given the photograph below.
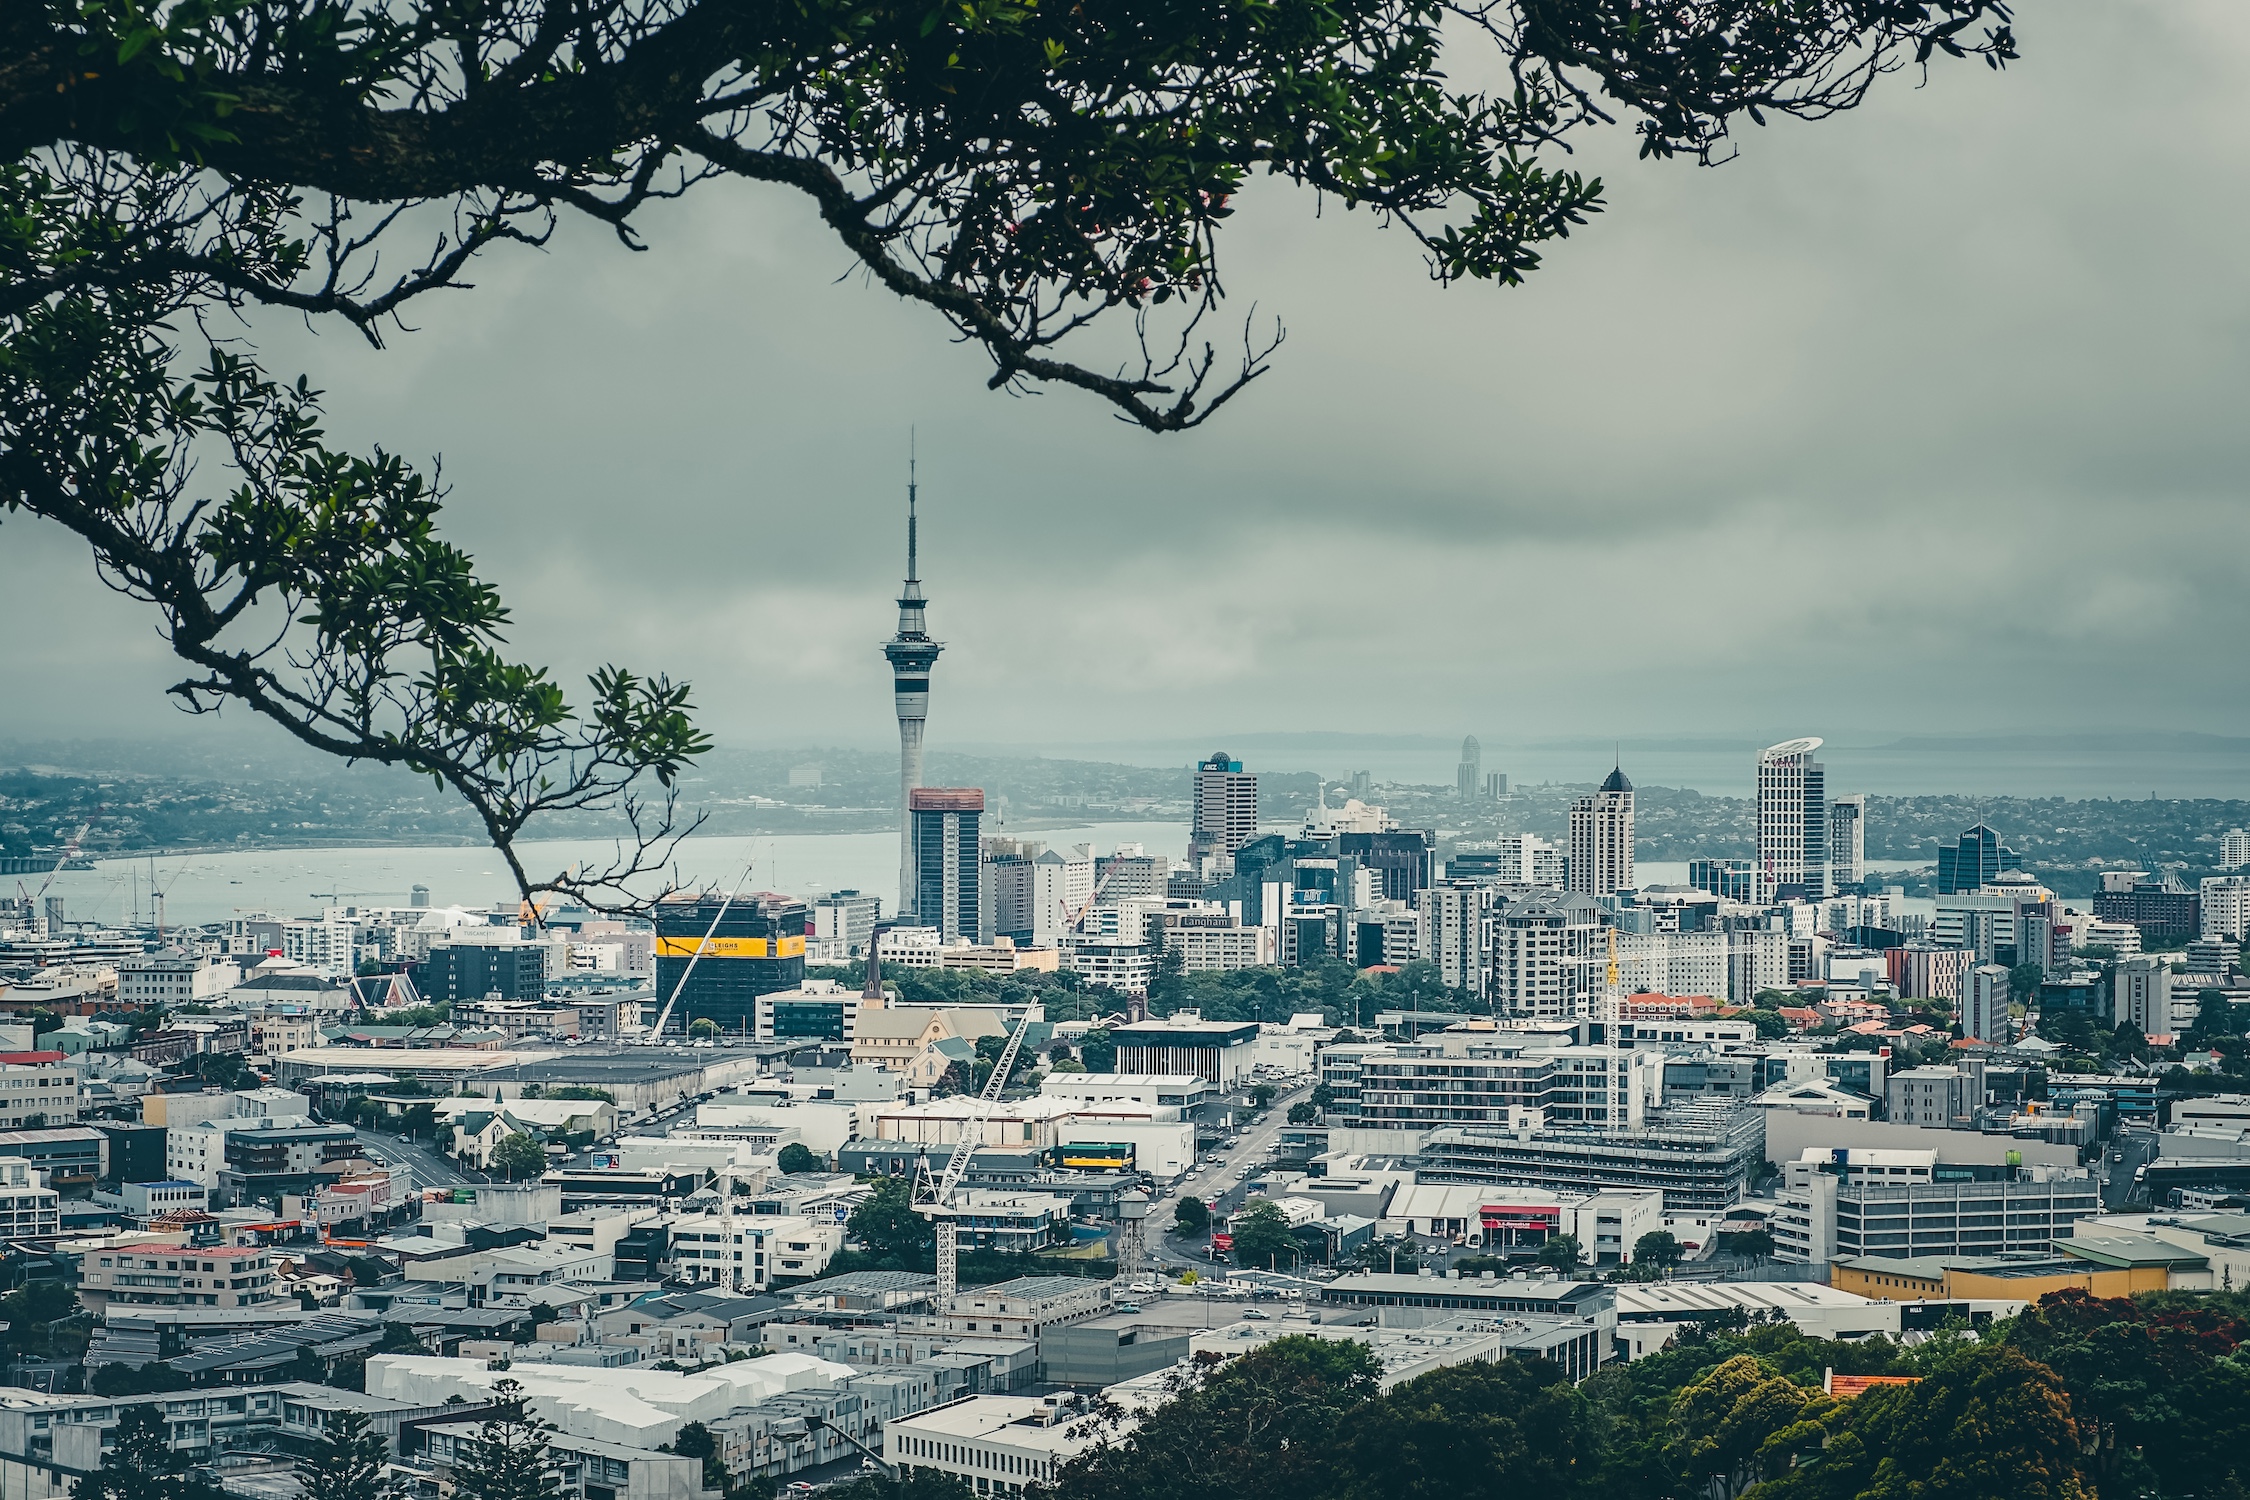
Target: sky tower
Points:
(911, 653)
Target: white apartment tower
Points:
(1792, 820)
(1847, 841)
(1601, 839)
(1984, 1006)
(911, 654)
(1226, 808)
(2234, 849)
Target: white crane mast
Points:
(938, 1205)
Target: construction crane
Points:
(656, 1032)
(934, 1201)
(32, 901)
(1074, 920)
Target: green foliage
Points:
(1771, 1024)
(347, 1462)
(413, 1015)
(1099, 1051)
(1322, 1096)
(580, 1091)
(1263, 1426)
(886, 1222)
(1263, 1237)
(1261, 1095)
(142, 1465)
(1301, 1113)
(1191, 1215)
(519, 1155)
(2161, 1381)
(694, 1440)
(796, 1157)
(921, 1484)
(1562, 1251)
(509, 1460)
(1990, 1423)
(31, 1312)
(703, 1028)
(1755, 1243)
(1657, 1248)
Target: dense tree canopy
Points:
(1049, 180)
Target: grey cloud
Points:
(1927, 416)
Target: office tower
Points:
(1601, 839)
(1363, 784)
(1226, 808)
(1792, 822)
(1495, 785)
(1971, 864)
(757, 948)
(419, 897)
(1468, 778)
(1847, 841)
(943, 822)
(1727, 879)
(54, 916)
(2234, 849)
(1984, 1008)
(911, 654)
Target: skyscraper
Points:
(1847, 841)
(942, 822)
(911, 653)
(1601, 838)
(1792, 822)
(756, 948)
(1971, 864)
(1226, 807)
(1468, 778)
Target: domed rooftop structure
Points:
(1616, 782)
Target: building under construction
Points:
(757, 947)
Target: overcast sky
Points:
(1927, 418)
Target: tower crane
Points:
(31, 902)
(1074, 920)
(934, 1201)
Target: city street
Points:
(423, 1166)
(1214, 1179)
(2131, 1149)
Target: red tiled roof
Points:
(1844, 1387)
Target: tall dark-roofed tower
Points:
(1601, 838)
(911, 653)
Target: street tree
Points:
(347, 1461)
(519, 1155)
(1191, 1215)
(142, 1465)
(1657, 1248)
(1051, 182)
(1562, 1251)
(885, 1221)
(798, 1157)
(509, 1458)
(1263, 1238)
